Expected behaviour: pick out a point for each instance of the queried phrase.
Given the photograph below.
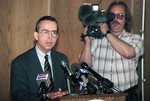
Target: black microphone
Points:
(43, 81)
(84, 11)
(81, 74)
(107, 82)
(66, 68)
(87, 16)
(90, 20)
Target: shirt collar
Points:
(41, 54)
(123, 32)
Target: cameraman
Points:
(116, 55)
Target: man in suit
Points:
(26, 67)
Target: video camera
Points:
(91, 17)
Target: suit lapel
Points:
(35, 65)
(53, 59)
(56, 65)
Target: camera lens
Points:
(94, 30)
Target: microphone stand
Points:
(43, 90)
(101, 88)
(85, 89)
(68, 84)
(44, 98)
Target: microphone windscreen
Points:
(74, 67)
(90, 20)
(63, 63)
(44, 77)
(84, 11)
(84, 65)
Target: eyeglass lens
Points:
(119, 16)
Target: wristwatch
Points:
(107, 32)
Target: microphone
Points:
(107, 82)
(81, 74)
(43, 81)
(84, 11)
(87, 16)
(64, 65)
(66, 68)
(90, 20)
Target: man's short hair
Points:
(50, 18)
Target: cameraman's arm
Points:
(86, 53)
(120, 46)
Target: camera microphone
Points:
(84, 11)
(90, 20)
(86, 14)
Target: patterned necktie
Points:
(47, 68)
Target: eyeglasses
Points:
(53, 33)
(119, 16)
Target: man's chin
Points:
(115, 27)
(49, 48)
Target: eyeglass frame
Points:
(119, 15)
(47, 34)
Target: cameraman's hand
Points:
(56, 94)
(104, 27)
(87, 38)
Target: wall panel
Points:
(17, 24)
(147, 51)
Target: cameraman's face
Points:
(117, 25)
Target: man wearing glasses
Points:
(27, 66)
(116, 55)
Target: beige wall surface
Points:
(17, 24)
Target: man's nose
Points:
(49, 35)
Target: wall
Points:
(17, 24)
(147, 51)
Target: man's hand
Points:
(104, 27)
(87, 38)
(56, 94)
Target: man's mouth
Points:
(48, 43)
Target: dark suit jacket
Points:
(24, 70)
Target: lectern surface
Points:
(100, 97)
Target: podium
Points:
(100, 97)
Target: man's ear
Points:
(36, 35)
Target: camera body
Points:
(91, 17)
(94, 31)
